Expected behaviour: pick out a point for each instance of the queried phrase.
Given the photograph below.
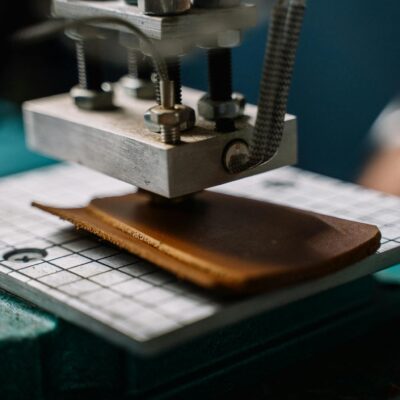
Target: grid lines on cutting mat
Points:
(123, 292)
(118, 288)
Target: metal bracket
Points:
(118, 144)
(194, 25)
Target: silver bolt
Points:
(165, 116)
(213, 110)
(133, 85)
(170, 135)
(169, 118)
(91, 93)
(236, 155)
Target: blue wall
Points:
(348, 68)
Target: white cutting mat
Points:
(132, 302)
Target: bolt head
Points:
(137, 88)
(236, 154)
(166, 117)
(150, 125)
(188, 118)
(213, 110)
(164, 7)
(182, 116)
(93, 100)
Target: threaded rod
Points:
(220, 83)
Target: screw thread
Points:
(133, 64)
(81, 62)
(170, 135)
(157, 90)
(220, 74)
(90, 71)
(174, 74)
(220, 83)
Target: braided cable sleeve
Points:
(268, 88)
(283, 39)
(269, 84)
(287, 60)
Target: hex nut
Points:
(182, 116)
(164, 7)
(213, 110)
(137, 88)
(93, 100)
(188, 118)
(166, 117)
(150, 125)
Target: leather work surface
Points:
(227, 243)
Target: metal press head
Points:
(147, 129)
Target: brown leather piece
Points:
(225, 242)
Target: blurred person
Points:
(382, 171)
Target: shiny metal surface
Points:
(189, 27)
(118, 144)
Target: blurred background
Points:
(347, 72)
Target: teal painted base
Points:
(14, 156)
(43, 357)
(389, 276)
